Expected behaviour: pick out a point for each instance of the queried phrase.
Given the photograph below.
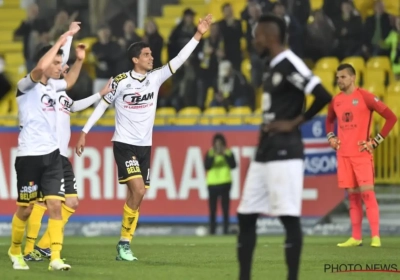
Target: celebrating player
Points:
(353, 108)
(274, 181)
(38, 163)
(135, 96)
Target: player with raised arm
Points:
(274, 181)
(38, 163)
(64, 106)
(353, 108)
(135, 97)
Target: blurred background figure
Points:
(219, 161)
(155, 41)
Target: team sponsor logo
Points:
(132, 166)
(29, 192)
(48, 102)
(65, 104)
(355, 102)
(137, 100)
(347, 117)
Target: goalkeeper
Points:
(353, 109)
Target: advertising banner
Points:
(178, 191)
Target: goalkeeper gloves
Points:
(371, 144)
(334, 142)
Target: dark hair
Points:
(42, 51)
(347, 66)
(135, 49)
(225, 6)
(271, 18)
(221, 137)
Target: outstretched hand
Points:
(204, 24)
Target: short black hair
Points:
(219, 136)
(347, 66)
(271, 18)
(225, 6)
(43, 50)
(135, 49)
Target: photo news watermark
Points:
(356, 267)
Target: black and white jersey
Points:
(285, 83)
(37, 116)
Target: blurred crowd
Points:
(335, 30)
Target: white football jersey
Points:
(63, 107)
(37, 116)
(135, 99)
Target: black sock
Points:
(246, 243)
(293, 245)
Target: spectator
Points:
(5, 85)
(211, 53)
(333, 8)
(26, 32)
(320, 36)
(393, 41)
(107, 54)
(349, 29)
(219, 161)
(61, 24)
(233, 89)
(231, 30)
(254, 11)
(266, 7)
(130, 36)
(155, 41)
(294, 28)
(182, 33)
(298, 9)
(376, 29)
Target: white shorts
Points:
(274, 188)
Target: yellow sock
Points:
(67, 212)
(56, 232)
(133, 227)
(34, 223)
(17, 234)
(127, 220)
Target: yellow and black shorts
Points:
(132, 162)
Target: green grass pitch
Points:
(203, 258)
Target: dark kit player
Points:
(274, 181)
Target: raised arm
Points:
(174, 64)
(88, 101)
(74, 71)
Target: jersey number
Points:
(148, 174)
(62, 187)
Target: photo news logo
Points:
(355, 267)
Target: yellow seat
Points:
(393, 88)
(327, 77)
(246, 69)
(177, 10)
(213, 116)
(244, 110)
(159, 121)
(11, 119)
(377, 89)
(374, 76)
(187, 116)
(166, 113)
(379, 63)
(254, 119)
(357, 62)
(83, 116)
(234, 120)
(10, 47)
(327, 63)
(108, 119)
(316, 4)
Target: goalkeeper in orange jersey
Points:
(353, 108)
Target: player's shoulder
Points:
(121, 79)
(288, 62)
